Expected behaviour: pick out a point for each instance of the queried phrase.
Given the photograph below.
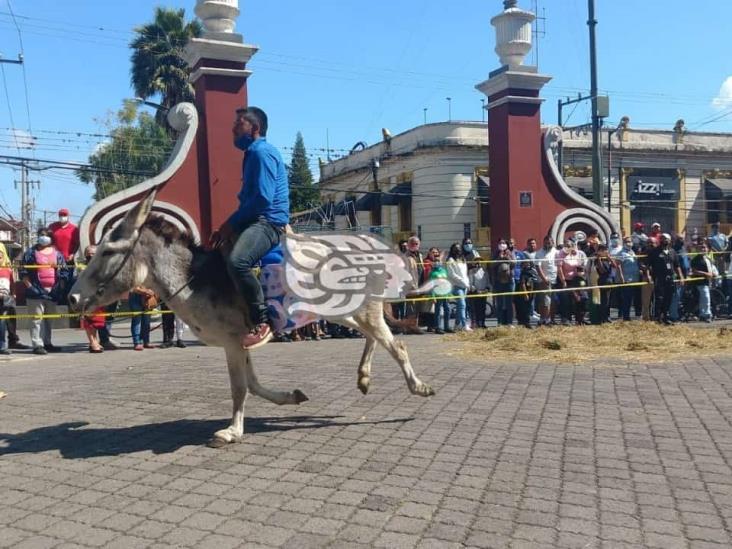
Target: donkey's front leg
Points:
(275, 397)
(236, 362)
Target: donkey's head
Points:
(114, 270)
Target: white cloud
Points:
(724, 97)
(22, 139)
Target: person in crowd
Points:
(168, 322)
(639, 237)
(44, 275)
(140, 301)
(478, 284)
(503, 282)
(647, 290)
(655, 231)
(718, 244)
(571, 262)
(415, 265)
(399, 308)
(664, 267)
(580, 296)
(10, 310)
(65, 235)
(520, 257)
(7, 299)
(546, 269)
(607, 271)
(96, 320)
(629, 268)
(457, 274)
(703, 268)
(442, 304)
(615, 245)
(685, 262)
(530, 253)
(525, 293)
(432, 257)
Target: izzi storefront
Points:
(650, 196)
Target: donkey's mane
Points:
(207, 270)
(169, 232)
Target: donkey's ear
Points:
(136, 216)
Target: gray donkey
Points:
(195, 285)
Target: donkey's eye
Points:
(100, 290)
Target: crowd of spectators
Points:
(580, 280)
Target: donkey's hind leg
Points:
(364, 367)
(276, 397)
(371, 323)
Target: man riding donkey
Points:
(260, 220)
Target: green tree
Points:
(304, 193)
(158, 66)
(138, 149)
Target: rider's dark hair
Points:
(256, 117)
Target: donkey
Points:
(150, 251)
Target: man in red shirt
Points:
(65, 235)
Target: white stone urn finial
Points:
(513, 33)
(218, 16)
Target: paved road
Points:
(109, 451)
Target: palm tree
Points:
(158, 66)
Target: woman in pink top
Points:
(568, 260)
(44, 275)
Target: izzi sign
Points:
(653, 188)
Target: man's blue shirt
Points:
(264, 192)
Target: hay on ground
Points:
(646, 342)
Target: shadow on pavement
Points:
(73, 441)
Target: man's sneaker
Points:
(166, 344)
(18, 345)
(257, 338)
(39, 351)
(52, 348)
(109, 346)
(180, 344)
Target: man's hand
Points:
(222, 235)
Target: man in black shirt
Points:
(663, 263)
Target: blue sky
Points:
(340, 70)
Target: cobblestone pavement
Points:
(110, 451)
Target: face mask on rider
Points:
(44, 240)
(244, 141)
(467, 248)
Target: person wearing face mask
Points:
(630, 269)
(64, 235)
(717, 243)
(701, 268)
(43, 272)
(478, 284)
(647, 290)
(260, 220)
(685, 263)
(504, 282)
(415, 265)
(664, 267)
(546, 269)
(569, 260)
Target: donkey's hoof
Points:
(363, 385)
(426, 391)
(223, 438)
(300, 397)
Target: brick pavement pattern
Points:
(109, 451)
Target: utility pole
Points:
(560, 123)
(449, 109)
(26, 206)
(424, 112)
(482, 109)
(596, 177)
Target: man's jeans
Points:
(675, 302)
(705, 304)
(460, 318)
(140, 324)
(252, 245)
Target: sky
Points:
(340, 70)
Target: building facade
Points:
(433, 181)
